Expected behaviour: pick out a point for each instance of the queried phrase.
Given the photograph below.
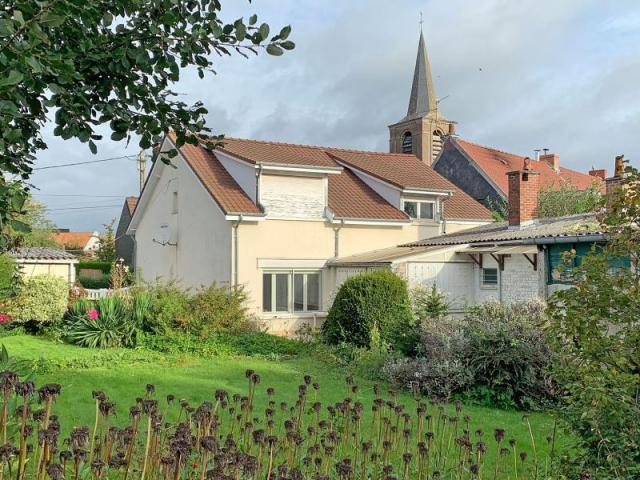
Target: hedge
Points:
(94, 282)
(104, 267)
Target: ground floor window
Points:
(489, 277)
(291, 291)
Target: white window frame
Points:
(489, 286)
(418, 202)
(291, 273)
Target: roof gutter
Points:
(598, 237)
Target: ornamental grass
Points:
(228, 438)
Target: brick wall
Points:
(520, 282)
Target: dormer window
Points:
(420, 210)
(407, 143)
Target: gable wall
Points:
(456, 168)
(124, 243)
(203, 236)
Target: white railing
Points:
(95, 293)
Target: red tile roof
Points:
(349, 197)
(72, 239)
(496, 163)
(218, 182)
(131, 204)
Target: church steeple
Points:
(423, 94)
(422, 130)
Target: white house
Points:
(269, 216)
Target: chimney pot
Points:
(614, 183)
(552, 159)
(524, 188)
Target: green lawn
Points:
(123, 375)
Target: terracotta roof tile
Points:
(496, 163)
(218, 182)
(73, 239)
(349, 197)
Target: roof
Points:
(570, 226)
(131, 204)
(496, 163)
(219, 183)
(401, 170)
(423, 95)
(40, 253)
(378, 257)
(349, 197)
(73, 239)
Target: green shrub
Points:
(429, 303)
(168, 307)
(42, 299)
(104, 267)
(219, 309)
(507, 352)
(371, 300)
(9, 277)
(107, 322)
(255, 344)
(94, 282)
(496, 356)
(439, 368)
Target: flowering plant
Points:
(4, 318)
(92, 314)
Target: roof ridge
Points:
(491, 148)
(319, 147)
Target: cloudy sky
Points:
(558, 74)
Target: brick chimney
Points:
(614, 183)
(600, 173)
(524, 187)
(552, 159)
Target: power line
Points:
(82, 208)
(77, 195)
(47, 167)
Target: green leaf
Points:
(264, 30)
(107, 19)
(253, 19)
(288, 45)
(274, 50)
(117, 136)
(285, 32)
(92, 147)
(19, 226)
(35, 65)
(14, 78)
(17, 15)
(52, 20)
(4, 355)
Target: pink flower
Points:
(92, 314)
(4, 318)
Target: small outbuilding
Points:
(45, 261)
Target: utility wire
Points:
(82, 208)
(47, 167)
(77, 195)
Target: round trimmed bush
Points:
(376, 301)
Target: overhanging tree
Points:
(84, 63)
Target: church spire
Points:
(423, 94)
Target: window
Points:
(489, 277)
(174, 203)
(420, 210)
(407, 143)
(290, 291)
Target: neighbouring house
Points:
(125, 242)
(511, 261)
(269, 216)
(80, 243)
(34, 261)
(482, 171)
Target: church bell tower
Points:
(422, 130)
